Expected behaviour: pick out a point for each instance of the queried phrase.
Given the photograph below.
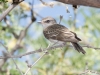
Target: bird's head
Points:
(48, 21)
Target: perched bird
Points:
(59, 33)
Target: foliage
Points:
(65, 61)
(4, 1)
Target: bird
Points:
(58, 33)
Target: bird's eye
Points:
(47, 21)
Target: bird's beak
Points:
(39, 22)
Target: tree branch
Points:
(11, 58)
(13, 5)
(91, 3)
(34, 63)
(43, 50)
(18, 37)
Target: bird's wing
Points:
(76, 36)
(51, 32)
(59, 32)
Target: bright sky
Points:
(58, 10)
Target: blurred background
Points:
(85, 21)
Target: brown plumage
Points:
(54, 31)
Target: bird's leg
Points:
(52, 44)
(49, 45)
(55, 43)
(46, 51)
(63, 44)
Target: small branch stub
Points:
(17, 1)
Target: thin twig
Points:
(61, 17)
(23, 32)
(19, 37)
(7, 11)
(46, 49)
(9, 26)
(44, 3)
(34, 63)
(13, 5)
(32, 52)
(67, 10)
(37, 14)
(12, 58)
(75, 15)
(86, 71)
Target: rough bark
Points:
(91, 3)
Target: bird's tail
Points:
(78, 47)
